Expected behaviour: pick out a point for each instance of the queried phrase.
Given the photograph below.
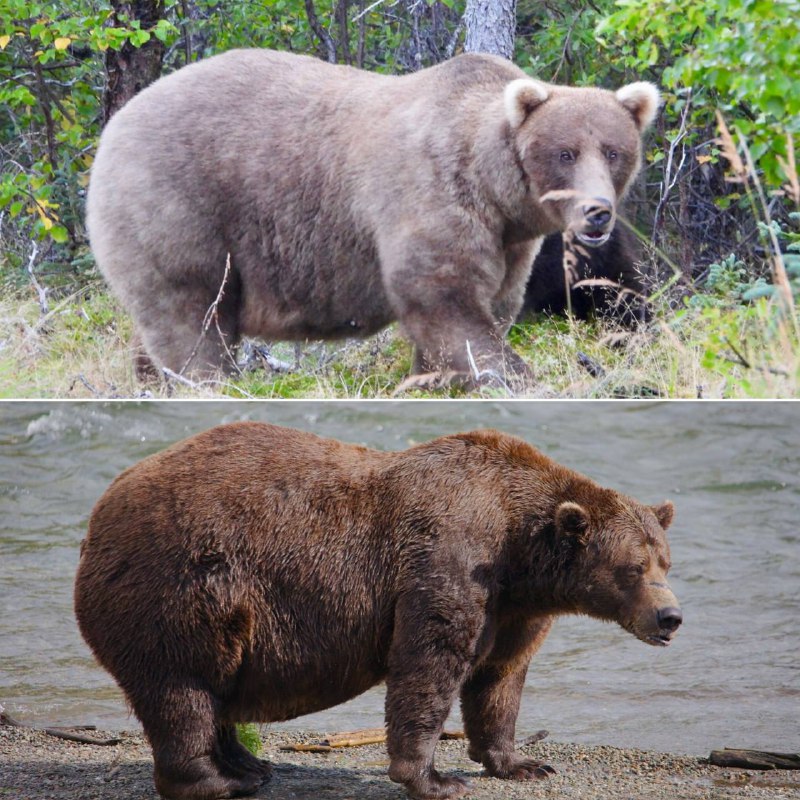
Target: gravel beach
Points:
(36, 766)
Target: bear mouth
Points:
(593, 238)
(659, 640)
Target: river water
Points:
(731, 678)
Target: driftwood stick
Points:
(754, 759)
(353, 739)
(73, 728)
(305, 748)
(67, 733)
(536, 737)
(7, 719)
(61, 733)
(447, 735)
(356, 738)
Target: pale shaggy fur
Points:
(347, 200)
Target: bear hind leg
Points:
(182, 725)
(193, 337)
(236, 758)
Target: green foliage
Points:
(727, 284)
(51, 75)
(740, 56)
(557, 42)
(249, 737)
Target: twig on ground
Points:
(754, 759)
(358, 738)
(212, 315)
(480, 375)
(536, 737)
(60, 732)
(82, 379)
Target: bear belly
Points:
(265, 698)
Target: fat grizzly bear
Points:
(257, 573)
(304, 200)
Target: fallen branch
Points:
(353, 739)
(480, 375)
(63, 733)
(212, 315)
(754, 759)
(67, 733)
(536, 737)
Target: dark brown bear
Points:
(257, 573)
(317, 201)
(625, 301)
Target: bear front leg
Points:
(445, 306)
(490, 702)
(432, 647)
(508, 302)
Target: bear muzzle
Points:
(598, 221)
(656, 615)
(668, 620)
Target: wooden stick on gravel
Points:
(754, 759)
(352, 739)
(67, 733)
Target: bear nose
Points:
(598, 212)
(670, 618)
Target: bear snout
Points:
(598, 212)
(663, 625)
(670, 619)
(598, 220)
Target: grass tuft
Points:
(727, 348)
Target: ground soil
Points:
(36, 766)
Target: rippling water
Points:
(731, 678)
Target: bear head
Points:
(579, 149)
(620, 559)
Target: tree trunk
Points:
(130, 69)
(491, 26)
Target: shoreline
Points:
(37, 766)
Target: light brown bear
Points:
(258, 573)
(346, 200)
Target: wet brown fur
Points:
(257, 573)
(346, 200)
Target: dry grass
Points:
(80, 349)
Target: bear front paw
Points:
(520, 769)
(431, 381)
(429, 785)
(439, 787)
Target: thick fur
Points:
(257, 573)
(625, 301)
(347, 200)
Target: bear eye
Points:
(567, 156)
(636, 571)
(611, 155)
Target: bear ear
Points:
(664, 513)
(522, 96)
(642, 99)
(572, 520)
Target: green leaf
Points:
(765, 290)
(58, 233)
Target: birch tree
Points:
(490, 27)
